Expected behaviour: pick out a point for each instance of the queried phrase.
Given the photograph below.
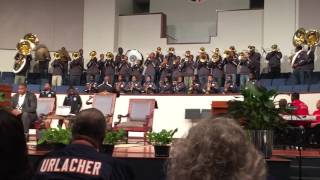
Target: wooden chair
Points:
(105, 102)
(139, 117)
(45, 107)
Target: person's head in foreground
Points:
(89, 127)
(13, 149)
(216, 149)
(295, 96)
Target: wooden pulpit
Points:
(219, 108)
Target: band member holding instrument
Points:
(149, 86)
(134, 86)
(243, 69)
(73, 99)
(176, 68)
(65, 59)
(93, 67)
(124, 69)
(159, 54)
(24, 54)
(165, 86)
(42, 55)
(188, 68)
(102, 67)
(119, 57)
(57, 70)
(165, 69)
(91, 85)
(76, 68)
(202, 66)
(159, 57)
(109, 67)
(310, 64)
(24, 105)
(179, 86)
(216, 67)
(152, 66)
(274, 59)
(254, 59)
(211, 86)
(137, 70)
(120, 85)
(230, 63)
(171, 56)
(195, 87)
(299, 64)
(229, 84)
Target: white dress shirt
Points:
(21, 101)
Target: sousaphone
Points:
(24, 48)
(135, 57)
(299, 37)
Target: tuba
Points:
(24, 48)
(312, 38)
(299, 37)
(134, 57)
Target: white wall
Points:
(100, 26)
(125, 7)
(190, 22)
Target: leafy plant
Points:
(55, 135)
(161, 138)
(257, 111)
(113, 137)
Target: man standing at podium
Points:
(24, 104)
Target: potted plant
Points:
(110, 139)
(258, 115)
(161, 141)
(54, 138)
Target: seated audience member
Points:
(120, 85)
(134, 86)
(14, 163)
(283, 105)
(106, 85)
(300, 108)
(317, 114)
(229, 157)
(229, 84)
(195, 87)
(252, 79)
(81, 159)
(211, 86)
(149, 86)
(90, 88)
(179, 86)
(24, 104)
(73, 99)
(47, 92)
(165, 86)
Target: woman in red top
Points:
(317, 114)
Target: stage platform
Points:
(146, 166)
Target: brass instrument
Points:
(135, 57)
(313, 38)
(75, 55)
(202, 50)
(226, 53)
(92, 54)
(158, 50)
(306, 37)
(32, 38)
(274, 47)
(56, 55)
(24, 48)
(243, 56)
(299, 37)
(187, 54)
(215, 57)
(203, 58)
(109, 56)
(171, 50)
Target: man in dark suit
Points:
(299, 64)
(274, 59)
(24, 105)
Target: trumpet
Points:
(203, 58)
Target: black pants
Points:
(274, 72)
(75, 80)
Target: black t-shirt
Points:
(78, 162)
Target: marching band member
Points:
(42, 56)
(254, 59)
(171, 56)
(230, 63)
(109, 67)
(202, 66)
(310, 65)
(73, 100)
(134, 86)
(165, 86)
(65, 59)
(124, 69)
(93, 67)
(102, 69)
(179, 86)
(195, 87)
(137, 70)
(243, 69)
(152, 66)
(211, 86)
(229, 84)
(159, 57)
(149, 86)
(165, 69)
(274, 59)
(76, 68)
(120, 85)
(20, 77)
(188, 67)
(106, 85)
(57, 70)
(299, 65)
(216, 67)
(176, 68)
(159, 54)
(119, 57)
